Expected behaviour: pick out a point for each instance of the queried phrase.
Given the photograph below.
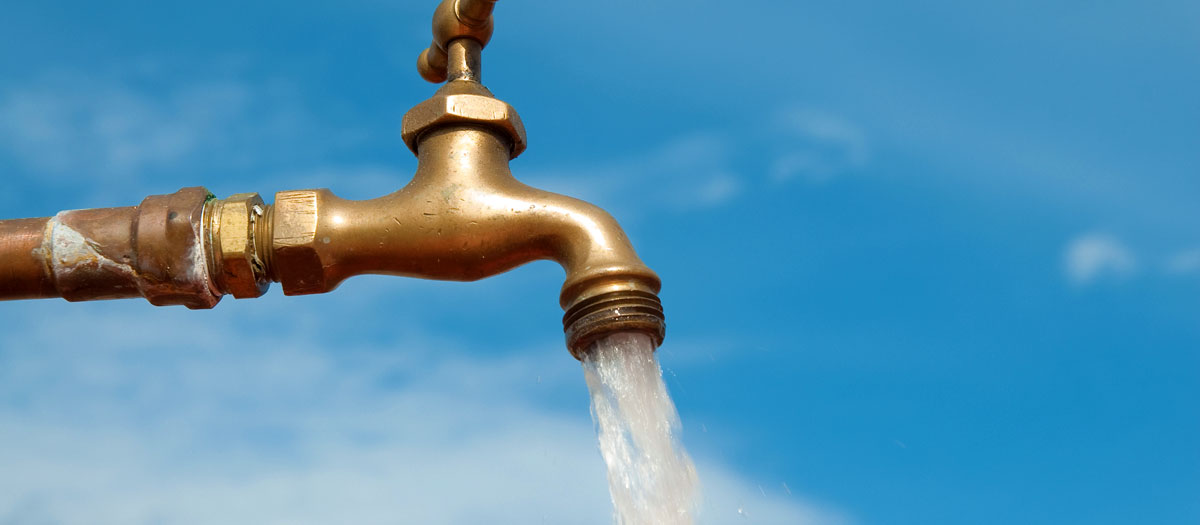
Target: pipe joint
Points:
(154, 250)
(171, 263)
(304, 253)
(238, 243)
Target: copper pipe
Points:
(463, 217)
(154, 250)
(24, 273)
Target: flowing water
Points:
(651, 478)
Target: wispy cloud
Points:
(1093, 256)
(1096, 256)
(819, 146)
(1186, 262)
(696, 171)
(78, 128)
(144, 426)
(127, 127)
(689, 172)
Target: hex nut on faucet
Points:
(464, 103)
(297, 250)
(234, 224)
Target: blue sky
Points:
(923, 263)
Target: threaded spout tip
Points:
(611, 312)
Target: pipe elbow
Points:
(608, 288)
(593, 250)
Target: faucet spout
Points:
(464, 217)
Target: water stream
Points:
(650, 476)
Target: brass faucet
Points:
(463, 217)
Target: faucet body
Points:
(463, 217)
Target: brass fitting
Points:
(297, 250)
(235, 245)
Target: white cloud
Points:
(819, 146)
(102, 129)
(1186, 262)
(687, 173)
(720, 188)
(65, 127)
(694, 171)
(1093, 256)
(247, 419)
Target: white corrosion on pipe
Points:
(70, 249)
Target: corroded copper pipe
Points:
(154, 250)
(92, 254)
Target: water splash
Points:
(651, 478)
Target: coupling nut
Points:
(169, 250)
(237, 250)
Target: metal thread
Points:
(264, 230)
(607, 313)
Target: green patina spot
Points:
(449, 191)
